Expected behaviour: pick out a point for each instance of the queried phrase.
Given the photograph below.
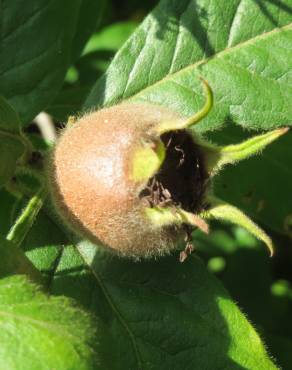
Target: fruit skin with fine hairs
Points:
(92, 184)
(133, 178)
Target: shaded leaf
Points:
(12, 145)
(68, 102)
(258, 294)
(44, 245)
(8, 203)
(160, 314)
(11, 149)
(93, 62)
(90, 16)
(9, 120)
(36, 43)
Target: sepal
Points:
(147, 161)
(166, 216)
(226, 212)
(182, 124)
(216, 157)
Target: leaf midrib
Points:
(112, 305)
(217, 55)
(117, 313)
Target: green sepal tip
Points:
(217, 157)
(182, 124)
(223, 211)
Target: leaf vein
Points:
(118, 315)
(218, 55)
(32, 16)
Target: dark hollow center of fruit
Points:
(182, 178)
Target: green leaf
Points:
(36, 46)
(11, 149)
(68, 102)
(160, 314)
(258, 294)
(243, 51)
(44, 245)
(38, 332)
(148, 296)
(9, 120)
(14, 261)
(90, 16)
(12, 144)
(94, 61)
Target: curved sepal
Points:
(166, 126)
(217, 157)
(226, 212)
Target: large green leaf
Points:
(36, 48)
(90, 15)
(38, 332)
(142, 305)
(160, 314)
(243, 48)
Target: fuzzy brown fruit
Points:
(134, 179)
(94, 187)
